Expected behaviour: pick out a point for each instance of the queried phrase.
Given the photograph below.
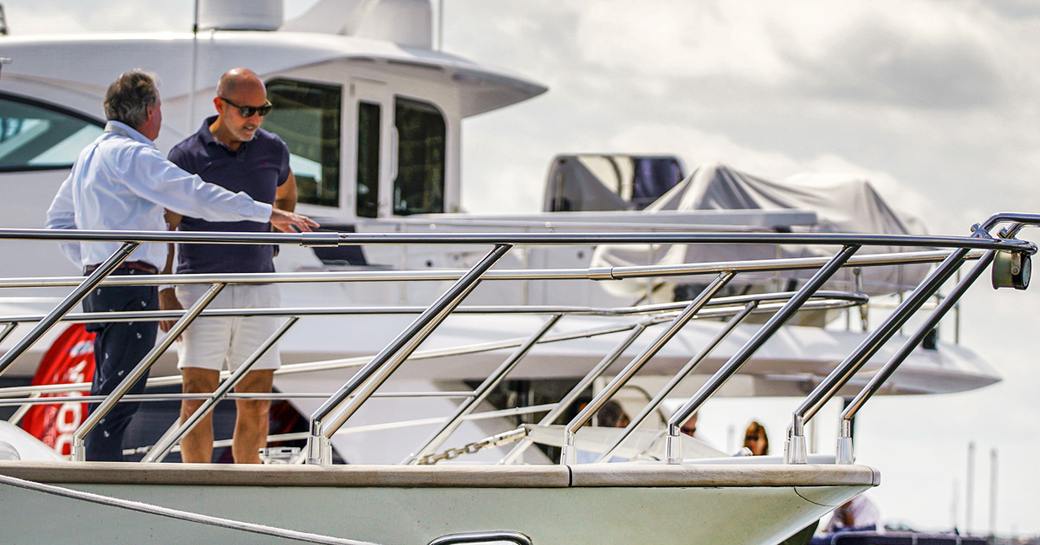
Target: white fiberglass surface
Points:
(406, 516)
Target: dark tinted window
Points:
(35, 136)
(368, 160)
(419, 187)
(307, 116)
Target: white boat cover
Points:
(842, 203)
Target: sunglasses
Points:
(250, 111)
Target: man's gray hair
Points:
(128, 98)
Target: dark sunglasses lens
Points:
(250, 111)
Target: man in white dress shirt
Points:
(122, 182)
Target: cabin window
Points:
(369, 115)
(35, 136)
(419, 187)
(307, 116)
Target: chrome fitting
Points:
(568, 454)
(673, 447)
(845, 454)
(79, 450)
(319, 450)
(795, 450)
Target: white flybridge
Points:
(678, 299)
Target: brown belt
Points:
(137, 266)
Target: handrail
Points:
(681, 374)
(450, 275)
(433, 353)
(834, 300)
(348, 399)
(66, 304)
(794, 448)
(682, 414)
(370, 377)
(576, 391)
(845, 452)
(481, 392)
(350, 239)
(568, 454)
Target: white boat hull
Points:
(580, 505)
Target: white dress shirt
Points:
(122, 182)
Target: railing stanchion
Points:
(491, 382)
(66, 304)
(578, 389)
(760, 337)
(845, 446)
(7, 330)
(852, 363)
(19, 413)
(677, 378)
(370, 377)
(568, 454)
(139, 371)
(162, 447)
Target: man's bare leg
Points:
(197, 445)
(252, 422)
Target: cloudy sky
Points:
(935, 101)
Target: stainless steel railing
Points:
(363, 385)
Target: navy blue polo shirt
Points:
(257, 168)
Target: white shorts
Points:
(218, 342)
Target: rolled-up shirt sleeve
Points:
(152, 177)
(62, 215)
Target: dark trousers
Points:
(118, 348)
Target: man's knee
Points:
(258, 408)
(256, 382)
(197, 380)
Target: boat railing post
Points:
(66, 304)
(378, 370)
(139, 371)
(845, 453)
(844, 371)
(794, 449)
(22, 409)
(480, 394)
(568, 453)
(579, 388)
(162, 447)
(845, 446)
(7, 330)
(684, 372)
(716, 381)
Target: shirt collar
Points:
(118, 127)
(204, 133)
(206, 136)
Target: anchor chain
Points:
(503, 438)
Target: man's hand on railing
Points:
(168, 301)
(288, 222)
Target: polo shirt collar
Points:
(206, 136)
(118, 127)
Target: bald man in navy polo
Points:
(231, 150)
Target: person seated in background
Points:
(856, 515)
(612, 415)
(690, 427)
(755, 439)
